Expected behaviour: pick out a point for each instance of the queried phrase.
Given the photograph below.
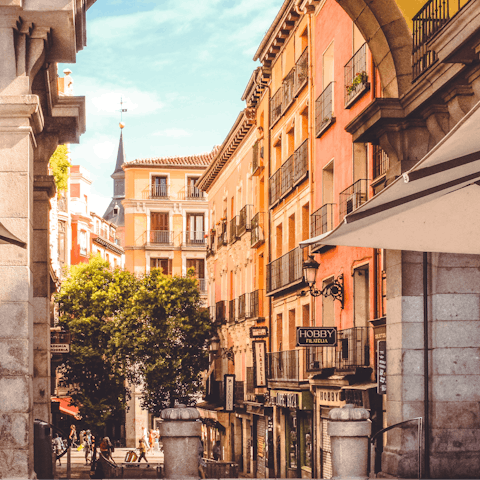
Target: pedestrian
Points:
(217, 451)
(58, 447)
(143, 450)
(150, 441)
(106, 448)
(82, 437)
(72, 437)
(201, 461)
(87, 445)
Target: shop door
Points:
(326, 450)
(260, 448)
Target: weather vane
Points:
(122, 111)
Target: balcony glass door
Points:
(195, 230)
(159, 227)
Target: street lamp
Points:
(214, 344)
(333, 289)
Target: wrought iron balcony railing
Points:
(301, 71)
(317, 359)
(195, 238)
(245, 220)
(194, 193)
(321, 221)
(276, 106)
(222, 235)
(221, 311)
(285, 271)
(233, 230)
(286, 176)
(275, 187)
(381, 162)
(159, 191)
(353, 348)
(288, 89)
(258, 232)
(353, 197)
(244, 310)
(284, 366)
(324, 110)
(355, 73)
(257, 299)
(232, 313)
(300, 170)
(160, 237)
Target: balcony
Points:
(232, 314)
(222, 236)
(159, 191)
(355, 74)
(301, 71)
(353, 197)
(324, 110)
(284, 366)
(275, 188)
(245, 220)
(258, 232)
(233, 230)
(300, 171)
(160, 237)
(221, 312)
(286, 176)
(194, 193)
(244, 306)
(195, 239)
(288, 89)
(276, 106)
(381, 162)
(321, 221)
(353, 348)
(285, 271)
(257, 159)
(257, 299)
(318, 359)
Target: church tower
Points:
(115, 212)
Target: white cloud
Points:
(104, 150)
(172, 133)
(98, 203)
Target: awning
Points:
(360, 386)
(66, 408)
(7, 237)
(434, 207)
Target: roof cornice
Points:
(256, 85)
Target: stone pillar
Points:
(180, 434)
(349, 429)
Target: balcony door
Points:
(195, 228)
(159, 227)
(159, 187)
(164, 263)
(198, 264)
(192, 190)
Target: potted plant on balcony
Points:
(359, 79)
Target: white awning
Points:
(434, 207)
(7, 237)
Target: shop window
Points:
(292, 443)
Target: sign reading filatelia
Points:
(316, 336)
(229, 381)
(259, 357)
(382, 367)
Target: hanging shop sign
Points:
(258, 332)
(259, 362)
(60, 348)
(316, 336)
(229, 389)
(381, 367)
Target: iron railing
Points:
(324, 109)
(276, 106)
(258, 233)
(381, 162)
(355, 74)
(284, 366)
(194, 193)
(300, 170)
(245, 220)
(286, 176)
(288, 88)
(232, 311)
(160, 237)
(257, 299)
(285, 270)
(158, 191)
(353, 348)
(353, 197)
(244, 306)
(321, 221)
(319, 358)
(233, 230)
(195, 238)
(275, 187)
(301, 71)
(222, 236)
(221, 311)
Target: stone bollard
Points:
(349, 429)
(180, 434)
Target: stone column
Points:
(180, 434)
(18, 114)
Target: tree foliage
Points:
(59, 163)
(151, 331)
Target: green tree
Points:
(90, 298)
(172, 330)
(59, 163)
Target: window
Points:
(159, 228)
(83, 242)
(306, 315)
(327, 184)
(195, 228)
(279, 240)
(359, 161)
(292, 336)
(279, 332)
(192, 190)
(361, 296)
(291, 232)
(305, 222)
(328, 66)
(159, 187)
(62, 251)
(164, 263)
(328, 307)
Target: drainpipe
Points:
(426, 473)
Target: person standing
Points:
(143, 450)
(58, 447)
(87, 445)
(72, 437)
(217, 451)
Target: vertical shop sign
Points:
(229, 384)
(382, 367)
(259, 359)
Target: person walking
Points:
(143, 450)
(72, 437)
(87, 445)
(58, 447)
(106, 448)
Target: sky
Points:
(181, 67)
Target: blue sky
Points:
(181, 67)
